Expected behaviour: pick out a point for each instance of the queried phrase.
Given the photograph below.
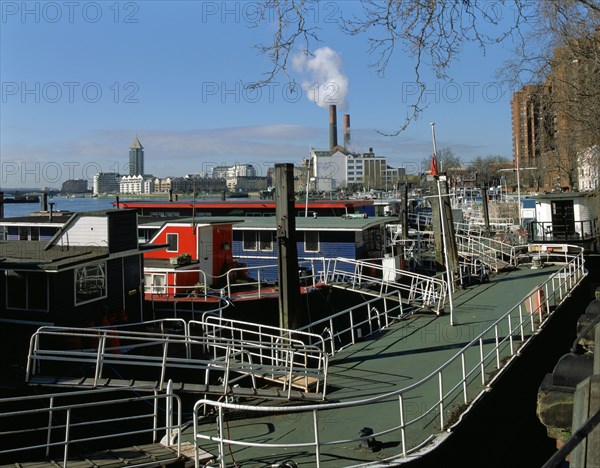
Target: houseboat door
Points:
(563, 219)
(205, 251)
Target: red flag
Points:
(433, 168)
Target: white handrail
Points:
(109, 415)
(497, 339)
(425, 291)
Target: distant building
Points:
(237, 170)
(340, 167)
(106, 182)
(246, 184)
(135, 185)
(189, 184)
(74, 186)
(136, 158)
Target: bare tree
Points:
(433, 32)
(488, 169)
(446, 159)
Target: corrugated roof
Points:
(32, 255)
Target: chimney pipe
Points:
(332, 127)
(51, 211)
(346, 130)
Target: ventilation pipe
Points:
(346, 131)
(332, 127)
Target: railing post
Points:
(164, 363)
(67, 437)
(317, 443)
(481, 362)
(221, 435)
(402, 425)
(464, 377)
(169, 411)
(441, 404)
(49, 436)
(99, 358)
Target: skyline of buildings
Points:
(554, 128)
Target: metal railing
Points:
(172, 290)
(496, 254)
(103, 353)
(463, 379)
(549, 231)
(346, 327)
(302, 354)
(418, 290)
(57, 425)
(240, 281)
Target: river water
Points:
(60, 203)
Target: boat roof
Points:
(324, 223)
(32, 255)
(152, 222)
(241, 203)
(562, 195)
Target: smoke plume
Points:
(326, 83)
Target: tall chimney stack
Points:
(346, 131)
(332, 127)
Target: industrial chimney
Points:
(346, 131)
(332, 127)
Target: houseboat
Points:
(571, 217)
(90, 269)
(244, 207)
(210, 259)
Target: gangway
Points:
(367, 277)
(89, 427)
(100, 357)
(494, 253)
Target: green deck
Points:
(392, 360)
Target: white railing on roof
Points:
(241, 281)
(418, 290)
(462, 377)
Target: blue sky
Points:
(81, 79)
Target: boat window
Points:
(23, 233)
(249, 240)
(35, 233)
(154, 283)
(265, 241)
(90, 283)
(172, 241)
(26, 290)
(311, 241)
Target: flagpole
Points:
(449, 280)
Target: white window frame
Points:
(244, 234)
(260, 242)
(176, 241)
(102, 266)
(151, 287)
